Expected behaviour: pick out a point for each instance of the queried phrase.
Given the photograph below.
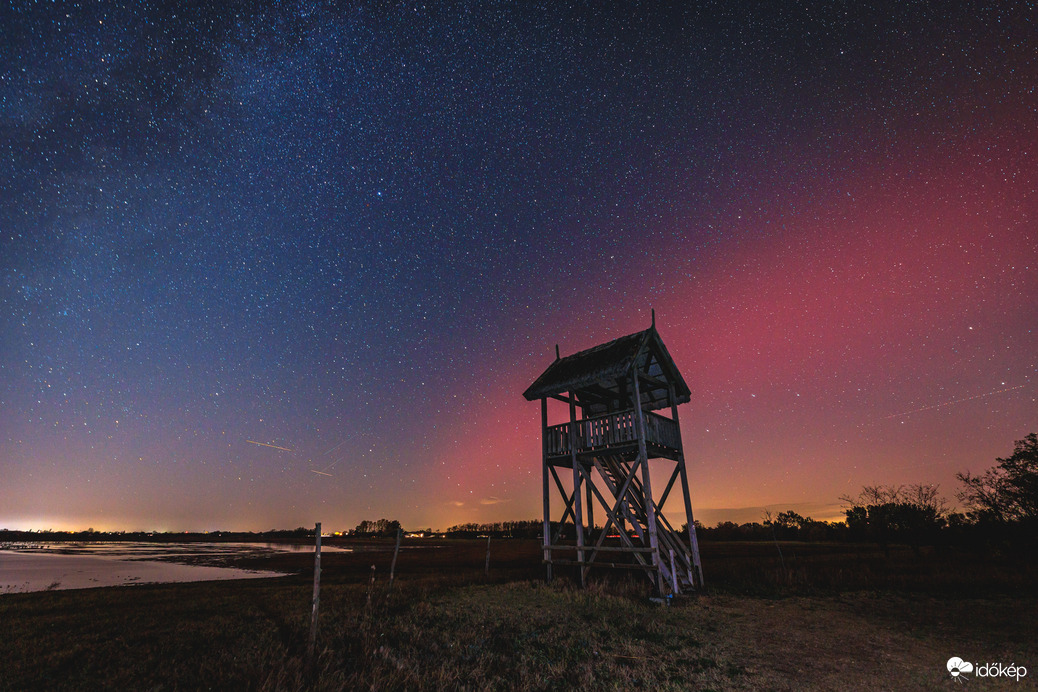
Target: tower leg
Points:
(590, 505)
(650, 506)
(578, 515)
(695, 579)
(693, 542)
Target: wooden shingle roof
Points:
(602, 367)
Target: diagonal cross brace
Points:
(612, 514)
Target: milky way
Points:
(265, 266)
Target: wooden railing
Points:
(612, 429)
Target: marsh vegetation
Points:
(829, 616)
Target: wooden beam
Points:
(650, 380)
(669, 536)
(670, 484)
(667, 364)
(599, 392)
(619, 494)
(621, 505)
(569, 504)
(608, 549)
(562, 398)
(590, 506)
(594, 392)
(613, 565)
(650, 509)
(692, 539)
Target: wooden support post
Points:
(650, 507)
(621, 525)
(590, 505)
(317, 588)
(578, 516)
(567, 511)
(544, 475)
(693, 542)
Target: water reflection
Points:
(47, 566)
(140, 548)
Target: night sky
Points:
(356, 233)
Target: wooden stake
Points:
(317, 587)
(392, 567)
(371, 587)
(486, 568)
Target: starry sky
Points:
(353, 233)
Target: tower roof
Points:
(595, 373)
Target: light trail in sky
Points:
(335, 447)
(954, 401)
(264, 444)
(320, 472)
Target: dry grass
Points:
(445, 626)
(529, 636)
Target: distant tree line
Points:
(1001, 509)
(786, 526)
(158, 536)
(383, 528)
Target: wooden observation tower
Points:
(611, 441)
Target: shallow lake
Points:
(49, 566)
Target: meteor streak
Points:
(336, 447)
(954, 401)
(326, 468)
(264, 444)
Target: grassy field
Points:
(825, 617)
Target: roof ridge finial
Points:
(653, 317)
(557, 352)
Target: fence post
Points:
(371, 587)
(486, 568)
(392, 567)
(317, 587)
